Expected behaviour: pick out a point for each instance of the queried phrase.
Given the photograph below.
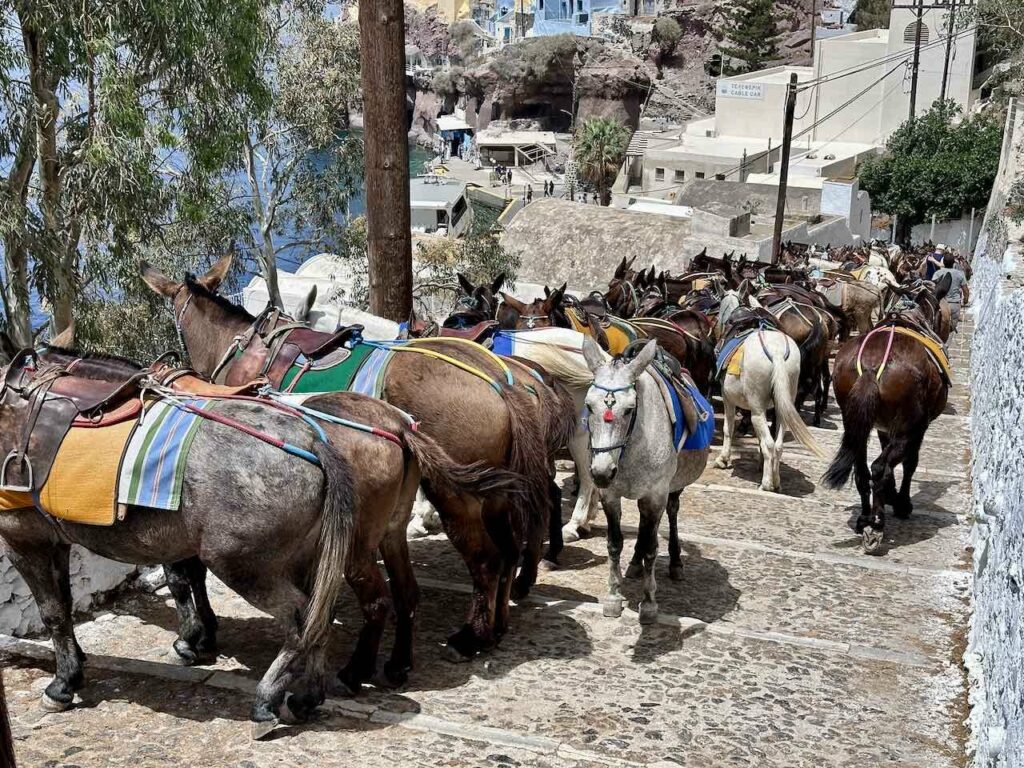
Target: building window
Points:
(583, 18)
(699, 175)
(910, 33)
(579, 6)
(659, 174)
(719, 177)
(540, 5)
(679, 176)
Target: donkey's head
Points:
(611, 406)
(539, 313)
(480, 299)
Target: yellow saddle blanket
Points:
(619, 333)
(934, 347)
(82, 484)
(735, 366)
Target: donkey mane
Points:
(235, 310)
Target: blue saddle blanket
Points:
(704, 429)
(725, 352)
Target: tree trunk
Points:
(389, 239)
(267, 255)
(16, 299)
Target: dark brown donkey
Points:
(891, 380)
(472, 420)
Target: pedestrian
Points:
(509, 176)
(934, 261)
(955, 295)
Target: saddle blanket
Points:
(619, 333)
(153, 468)
(935, 349)
(335, 373)
(730, 355)
(687, 436)
(519, 343)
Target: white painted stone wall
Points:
(995, 653)
(91, 576)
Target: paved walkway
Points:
(783, 645)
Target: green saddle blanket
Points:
(359, 369)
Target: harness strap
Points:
(331, 419)
(410, 347)
(885, 357)
(764, 347)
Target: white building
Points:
(438, 205)
(850, 101)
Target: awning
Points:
(452, 123)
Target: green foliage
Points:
(531, 59)
(871, 14)
(1000, 41)
(936, 165)
(752, 35)
(599, 150)
(666, 33)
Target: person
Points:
(508, 177)
(934, 261)
(958, 282)
(529, 193)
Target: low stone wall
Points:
(91, 576)
(995, 652)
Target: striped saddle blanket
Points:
(137, 461)
(359, 369)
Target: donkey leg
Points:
(724, 459)
(44, 567)
(405, 594)
(196, 571)
(612, 603)
(767, 445)
(881, 476)
(675, 560)
(889, 491)
(499, 528)
(902, 505)
(579, 524)
(366, 581)
(862, 477)
(190, 628)
(651, 510)
(555, 542)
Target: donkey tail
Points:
(858, 421)
(443, 472)
(785, 408)
(336, 524)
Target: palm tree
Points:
(599, 150)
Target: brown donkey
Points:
(895, 379)
(471, 419)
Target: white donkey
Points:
(768, 378)
(627, 451)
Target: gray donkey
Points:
(629, 454)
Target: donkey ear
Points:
(554, 298)
(547, 292)
(629, 264)
(466, 286)
(157, 280)
(212, 279)
(620, 271)
(593, 354)
(66, 338)
(303, 313)
(498, 282)
(643, 358)
(513, 302)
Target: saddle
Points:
(186, 381)
(477, 332)
(269, 348)
(677, 387)
(41, 402)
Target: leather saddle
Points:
(270, 348)
(40, 401)
(672, 374)
(478, 332)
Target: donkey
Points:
(490, 533)
(896, 382)
(628, 452)
(280, 539)
(769, 375)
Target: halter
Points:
(620, 447)
(531, 320)
(179, 316)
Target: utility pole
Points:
(787, 141)
(917, 58)
(949, 46)
(386, 142)
(814, 27)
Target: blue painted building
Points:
(576, 17)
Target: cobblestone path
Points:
(784, 645)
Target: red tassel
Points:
(609, 417)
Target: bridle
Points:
(531, 320)
(609, 402)
(180, 315)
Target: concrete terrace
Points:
(783, 646)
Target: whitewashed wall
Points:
(995, 653)
(91, 576)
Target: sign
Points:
(737, 89)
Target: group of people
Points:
(549, 191)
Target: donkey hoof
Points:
(570, 534)
(394, 675)
(454, 655)
(675, 572)
(50, 704)
(187, 656)
(634, 571)
(902, 508)
(723, 462)
(548, 565)
(520, 589)
(648, 613)
(611, 607)
(872, 540)
(260, 729)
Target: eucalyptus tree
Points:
(115, 114)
